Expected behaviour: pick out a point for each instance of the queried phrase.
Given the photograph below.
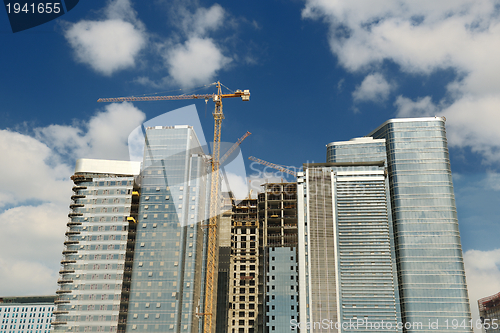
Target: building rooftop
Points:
(107, 166)
(27, 299)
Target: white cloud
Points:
(111, 44)
(472, 121)
(483, 276)
(26, 278)
(492, 181)
(203, 20)
(422, 37)
(30, 170)
(374, 88)
(237, 184)
(421, 108)
(192, 57)
(195, 62)
(35, 194)
(104, 136)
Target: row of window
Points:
(22, 327)
(22, 321)
(25, 309)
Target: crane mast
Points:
(212, 225)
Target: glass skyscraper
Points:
(167, 275)
(378, 232)
(427, 239)
(135, 248)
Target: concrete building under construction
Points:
(244, 263)
(277, 207)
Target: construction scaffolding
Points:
(277, 209)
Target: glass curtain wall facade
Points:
(167, 278)
(94, 279)
(426, 233)
(349, 273)
(26, 314)
(281, 289)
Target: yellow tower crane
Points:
(212, 250)
(274, 166)
(233, 148)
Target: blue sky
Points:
(318, 71)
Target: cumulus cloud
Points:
(35, 194)
(191, 56)
(31, 243)
(492, 181)
(483, 276)
(195, 62)
(110, 44)
(422, 107)
(203, 20)
(104, 136)
(29, 171)
(472, 121)
(374, 88)
(421, 38)
(26, 278)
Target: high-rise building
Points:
(426, 235)
(167, 273)
(95, 271)
(224, 263)
(345, 269)
(244, 264)
(378, 233)
(489, 313)
(134, 252)
(26, 314)
(277, 209)
(370, 236)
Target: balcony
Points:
(63, 291)
(68, 262)
(60, 301)
(77, 188)
(59, 312)
(69, 224)
(64, 281)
